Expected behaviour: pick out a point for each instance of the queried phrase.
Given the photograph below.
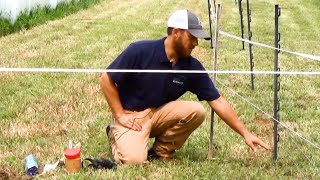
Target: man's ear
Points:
(175, 32)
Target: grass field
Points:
(38, 16)
(41, 112)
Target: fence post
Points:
(241, 21)
(215, 67)
(250, 45)
(276, 105)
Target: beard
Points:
(180, 49)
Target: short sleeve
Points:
(126, 60)
(202, 85)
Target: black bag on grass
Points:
(100, 163)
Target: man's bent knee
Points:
(198, 111)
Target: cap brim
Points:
(199, 33)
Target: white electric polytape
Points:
(52, 70)
(309, 56)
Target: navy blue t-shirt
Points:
(139, 91)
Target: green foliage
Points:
(316, 2)
(42, 15)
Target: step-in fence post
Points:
(276, 106)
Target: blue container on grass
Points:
(31, 165)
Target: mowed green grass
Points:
(38, 16)
(41, 112)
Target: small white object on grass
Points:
(49, 167)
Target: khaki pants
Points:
(170, 124)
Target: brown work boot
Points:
(152, 155)
(108, 130)
(108, 136)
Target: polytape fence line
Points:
(309, 56)
(61, 70)
(295, 142)
(264, 112)
(57, 70)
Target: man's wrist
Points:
(246, 134)
(117, 115)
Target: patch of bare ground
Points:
(7, 173)
(264, 132)
(265, 126)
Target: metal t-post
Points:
(210, 21)
(276, 105)
(250, 45)
(241, 21)
(215, 67)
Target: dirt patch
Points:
(7, 173)
(265, 126)
(4, 175)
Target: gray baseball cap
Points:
(185, 19)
